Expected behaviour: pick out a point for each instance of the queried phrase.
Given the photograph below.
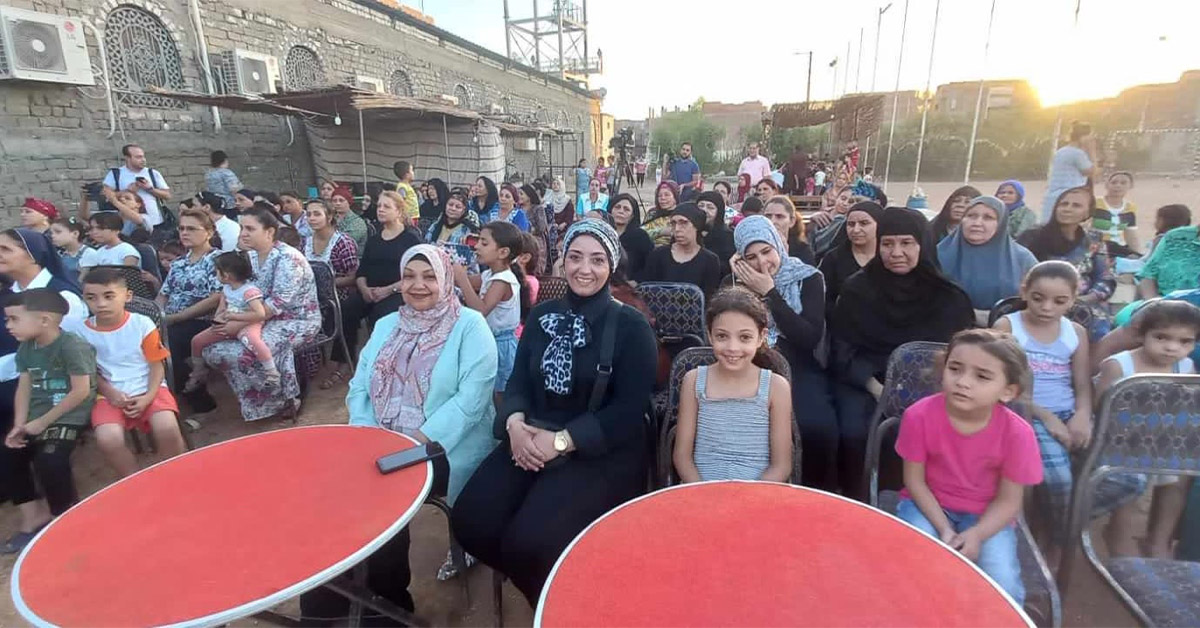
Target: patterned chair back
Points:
(911, 375)
(423, 225)
(150, 309)
(327, 296)
(678, 309)
(1149, 424)
(149, 259)
(133, 279)
(1084, 314)
(551, 288)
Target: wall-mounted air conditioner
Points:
(495, 109)
(525, 144)
(246, 72)
(43, 47)
(369, 83)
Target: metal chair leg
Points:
(498, 597)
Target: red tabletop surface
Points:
(761, 554)
(220, 528)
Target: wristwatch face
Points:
(560, 442)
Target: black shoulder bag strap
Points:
(608, 344)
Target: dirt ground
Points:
(1088, 603)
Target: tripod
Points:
(623, 162)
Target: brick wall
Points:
(54, 138)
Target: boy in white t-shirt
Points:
(129, 359)
(110, 249)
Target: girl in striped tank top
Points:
(735, 416)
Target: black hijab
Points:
(719, 238)
(879, 310)
(431, 209)
(1047, 241)
(940, 227)
(493, 198)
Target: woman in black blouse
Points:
(718, 237)
(795, 296)
(563, 461)
(378, 277)
(684, 260)
(854, 252)
(627, 218)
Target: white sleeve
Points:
(77, 312)
(162, 182)
(108, 180)
(126, 250)
(88, 259)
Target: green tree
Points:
(675, 128)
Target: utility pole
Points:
(858, 64)
(987, 42)
(808, 85)
(937, 9)
(878, 26)
(895, 96)
(846, 74)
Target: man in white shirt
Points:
(134, 176)
(755, 165)
(229, 230)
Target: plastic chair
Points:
(151, 309)
(687, 360)
(1146, 424)
(133, 279)
(331, 311)
(678, 310)
(1081, 313)
(908, 378)
(1003, 308)
(551, 288)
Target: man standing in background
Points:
(684, 170)
(756, 165)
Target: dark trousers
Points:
(179, 342)
(817, 421)
(519, 522)
(641, 178)
(48, 459)
(354, 311)
(855, 406)
(388, 575)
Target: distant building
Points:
(1163, 105)
(736, 119)
(602, 130)
(960, 97)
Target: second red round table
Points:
(764, 554)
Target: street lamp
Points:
(808, 86)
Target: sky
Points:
(668, 53)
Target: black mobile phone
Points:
(409, 457)
(141, 179)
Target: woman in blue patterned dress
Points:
(188, 295)
(285, 277)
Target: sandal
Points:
(18, 541)
(334, 379)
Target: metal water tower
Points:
(554, 43)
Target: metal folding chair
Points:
(331, 311)
(1146, 424)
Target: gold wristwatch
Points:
(561, 441)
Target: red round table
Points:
(764, 554)
(220, 532)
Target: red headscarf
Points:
(743, 186)
(343, 192)
(45, 208)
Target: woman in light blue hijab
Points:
(982, 257)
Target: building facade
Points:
(57, 137)
(736, 119)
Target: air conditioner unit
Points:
(369, 83)
(246, 72)
(448, 99)
(495, 109)
(525, 144)
(43, 47)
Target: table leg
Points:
(360, 596)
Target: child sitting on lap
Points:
(129, 355)
(737, 422)
(53, 402)
(967, 458)
(240, 314)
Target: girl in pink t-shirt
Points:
(967, 457)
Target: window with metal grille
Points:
(401, 85)
(302, 69)
(463, 96)
(141, 54)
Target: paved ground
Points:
(1089, 603)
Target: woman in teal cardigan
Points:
(427, 371)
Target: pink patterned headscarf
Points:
(405, 363)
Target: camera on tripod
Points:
(622, 140)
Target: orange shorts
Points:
(105, 412)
